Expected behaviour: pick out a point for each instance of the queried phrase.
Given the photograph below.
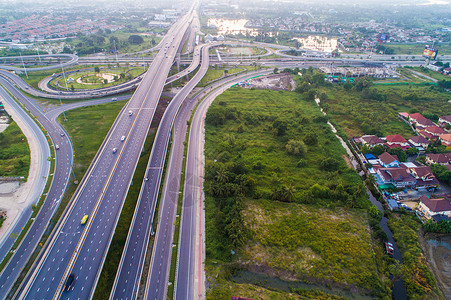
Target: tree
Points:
(310, 139)
(329, 164)
(276, 70)
(281, 126)
(105, 81)
(97, 69)
(135, 39)
(398, 152)
(296, 148)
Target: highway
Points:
(81, 249)
(39, 169)
(126, 286)
(73, 59)
(63, 163)
(190, 278)
(161, 256)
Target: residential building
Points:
(399, 177)
(413, 118)
(404, 115)
(396, 140)
(419, 141)
(443, 121)
(389, 161)
(438, 206)
(371, 140)
(424, 123)
(438, 158)
(424, 176)
(445, 140)
(435, 130)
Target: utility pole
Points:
(64, 75)
(61, 102)
(37, 49)
(23, 64)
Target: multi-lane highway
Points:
(63, 164)
(71, 60)
(39, 170)
(81, 249)
(130, 269)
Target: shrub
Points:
(296, 148)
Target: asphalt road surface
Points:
(63, 163)
(81, 249)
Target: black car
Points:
(70, 281)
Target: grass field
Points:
(357, 114)
(14, 152)
(133, 72)
(296, 217)
(36, 76)
(430, 73)
(87, 127)
(417, 49)
(213, 74)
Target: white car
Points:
(123, 138)
(114, 150)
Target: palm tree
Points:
(288, 192)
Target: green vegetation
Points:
(415, 49)
(113, 258)
(14, 152)
(361, 108)
(34, 77)
(430, 73)
(418, 279)
(443, 226)
(86, 141)
(122, 74)
(213, 74)
(280, 196)
(132, 38)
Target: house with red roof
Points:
(445, 140)
(404, 115)
(413, 118)
(396, 140)
(431, 207)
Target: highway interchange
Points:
(81, 250)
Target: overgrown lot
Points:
(14, 152)
(366, 109)
(281, 197)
